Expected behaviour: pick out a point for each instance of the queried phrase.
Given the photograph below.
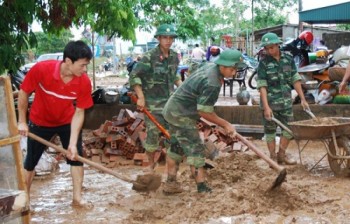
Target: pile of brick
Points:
(122, 136)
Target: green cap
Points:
(230, 58)
(270, 38)
(166, 30)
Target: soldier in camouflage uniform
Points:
(195, 98)
(153, 79)
(276, 74)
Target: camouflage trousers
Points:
(154, 138)
(186, 143)
(270, 127)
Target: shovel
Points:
(151, 117)
(312, 115)
(280, 169)
(308, 111)
(143, 183)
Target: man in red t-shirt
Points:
(62, 93)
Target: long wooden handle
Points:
(262, 155)
(312, 115)
(151, 117)
(79, 158)
(282, 125)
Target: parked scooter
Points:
(107, 65)
(16, 78)
(316, 82)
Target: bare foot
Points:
(82, 204)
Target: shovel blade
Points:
(279, 180)
(147, 182)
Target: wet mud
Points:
(240, 183)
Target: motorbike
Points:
(107, 66)
(316, 83)
(16, 78)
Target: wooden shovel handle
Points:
(262, 155)
(151, 117)
(79, 158)
(282, 125)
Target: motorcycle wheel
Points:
(252, 80)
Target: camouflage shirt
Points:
(156, 74)
(278, 78)
(199, 92)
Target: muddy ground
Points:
(240, 183)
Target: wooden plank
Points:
(8, 141)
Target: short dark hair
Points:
(76, 50)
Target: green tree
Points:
(152, 13)
(103, 16)
(345, 27)
(268, 12)
(49, 43)
(217, 21)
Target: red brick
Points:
(90, 140)
(121, 115)
(212, 138)
(113, 158)
(140, 115)
(99, 144)
(95, 151)
(111, 164)
(134, 126)
(96, 159)
(105, 159)
(113, 144)
(109, 151)
(116, 138)
(122, 122)
(140, 159)
(129, 114)
(106, 126)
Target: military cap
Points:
(166, 30)
(230, 58)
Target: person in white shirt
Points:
(197, 53)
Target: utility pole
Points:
(237, 24)
(115, 64)
(93, 61)
(300, 9)
(252, 39)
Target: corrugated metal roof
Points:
(339, 13)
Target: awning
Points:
(339, 13)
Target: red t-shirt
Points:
(53, 103)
